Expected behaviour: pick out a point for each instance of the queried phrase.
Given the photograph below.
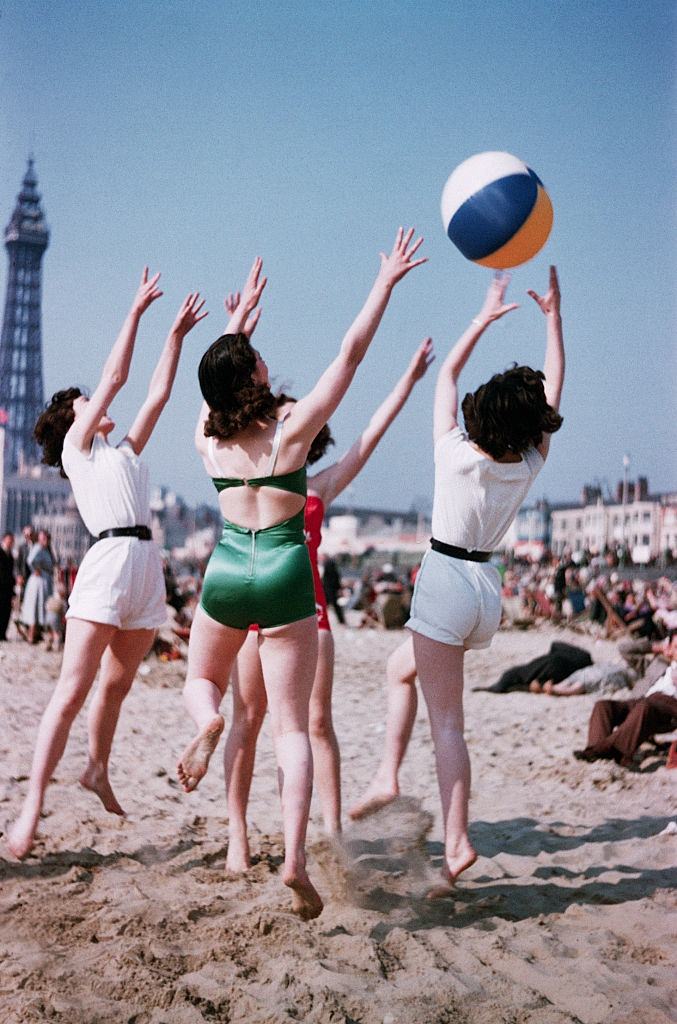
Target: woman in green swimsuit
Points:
(254, 445)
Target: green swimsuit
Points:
(260, 576)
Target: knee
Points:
(602, 708)
(448, 726)
(320, 724)
(394, 673)
(248, 719)
(114, 686)
(68, 700)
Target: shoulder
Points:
(72, 452)
(454, 440)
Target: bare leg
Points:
(120, 661)
(249, 709)
(212, 650)
(440, 669)
(84, 647)
(326, 754)
(401, 715)
(288, 656)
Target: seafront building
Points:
(634, 520)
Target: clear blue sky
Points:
(196, 135)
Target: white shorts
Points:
(120, 582)
(456, 602)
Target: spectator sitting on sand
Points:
(617, 728)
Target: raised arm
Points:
(162, 381)
(553, 367)
(331, 481)
(243, 316)
(116, 368)
(445, 409)
(311, 412)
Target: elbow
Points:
(157, 400)
(117, 378)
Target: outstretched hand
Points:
(421, 360)
(253, 287)
(147, 292)
(189, 314)
(550, 302)
(400, 262)
(232, 301)
(494, 306)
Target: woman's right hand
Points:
(147, 292)
(241, 305)
(231, 302)
(251, 293)
(400, 262)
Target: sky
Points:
(193, 136)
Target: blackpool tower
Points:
(21, 395)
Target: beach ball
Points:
(496, 210)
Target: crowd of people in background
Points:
(34, 588)
(591, 593)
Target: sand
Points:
(564, 917)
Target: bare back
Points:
(251, 455)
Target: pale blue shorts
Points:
(456, 602)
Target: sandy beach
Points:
(565, 917)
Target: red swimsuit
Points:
(314, 517)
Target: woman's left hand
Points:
(189, 314)
(421, 360)
(494, 305)
(400, 260)
(550, 302)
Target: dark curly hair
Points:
(54, 423)
(234, 399)
(510, 412)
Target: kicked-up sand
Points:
(565, 916)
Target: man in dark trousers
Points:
(617, 728)
(6, 582)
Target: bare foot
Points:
(535, 686)
(376, 797)
(238, 858)
(549, 687)
(454, 865)
(195, 759)
(21, 836)
(96, 781)
(305, 900)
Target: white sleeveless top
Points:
(111, 485)
(476, 498)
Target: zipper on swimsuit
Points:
(253, 553)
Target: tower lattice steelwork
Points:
(21, 396)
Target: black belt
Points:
(453, 552)
(142, 532)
